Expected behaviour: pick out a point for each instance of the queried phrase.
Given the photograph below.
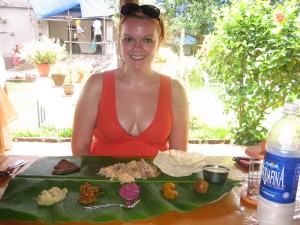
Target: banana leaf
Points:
(90, 166)
(19, 202)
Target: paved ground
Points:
(43, 95)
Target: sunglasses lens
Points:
(127, 9)
(148, 10)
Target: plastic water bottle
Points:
(281, 168)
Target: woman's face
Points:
(139, 42)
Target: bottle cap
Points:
(290, 108)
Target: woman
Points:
(132, 111)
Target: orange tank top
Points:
(110, 139)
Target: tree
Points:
(195, 17)
(192, 17)
(254, 53)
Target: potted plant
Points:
(82, 69)
(69, 86)
(59, 74)
(43, 53)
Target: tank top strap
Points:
(165, 93)
(108, 91)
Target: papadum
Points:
(178, 163)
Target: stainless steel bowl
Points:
(215, 174)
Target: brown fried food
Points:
(169, 191)
(169, 185)
(65, 167)
(201, 186)
(89, 193)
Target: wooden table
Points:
(228, 210)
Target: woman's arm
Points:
(180, 130)
(5, 88)
(86, 115)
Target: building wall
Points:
(18, 24)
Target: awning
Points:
(95, 8)
(87, 8)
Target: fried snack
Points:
(65, 167)
(177, 163)
(169, 191)
(89, 193)
(201, 186)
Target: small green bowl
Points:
(215, 174)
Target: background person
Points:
(97, 30)
(132, 111)
(16, 57)
(98, 37)
(79, 29)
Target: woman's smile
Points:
(137, 57)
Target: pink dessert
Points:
(129, 191)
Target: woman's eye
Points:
(148, 40)
(128, 40)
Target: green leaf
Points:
(19, 201)
(264, 52)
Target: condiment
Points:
(169, 191)
(89, 193)
(216, 170)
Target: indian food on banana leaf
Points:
(52, 196)
(89, 193)
(65, 167)
(177, 163)
(169, 191)
(201, 186)
(129, 191)
(128, 172)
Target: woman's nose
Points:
(137, 45)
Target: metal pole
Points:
(70, 33)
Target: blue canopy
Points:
(88, 8)
(188, 40)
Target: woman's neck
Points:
(137, 76)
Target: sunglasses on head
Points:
(148, 10)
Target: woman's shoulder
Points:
(95, 78)
(178, 89)
(175, 83)
(95, 81)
